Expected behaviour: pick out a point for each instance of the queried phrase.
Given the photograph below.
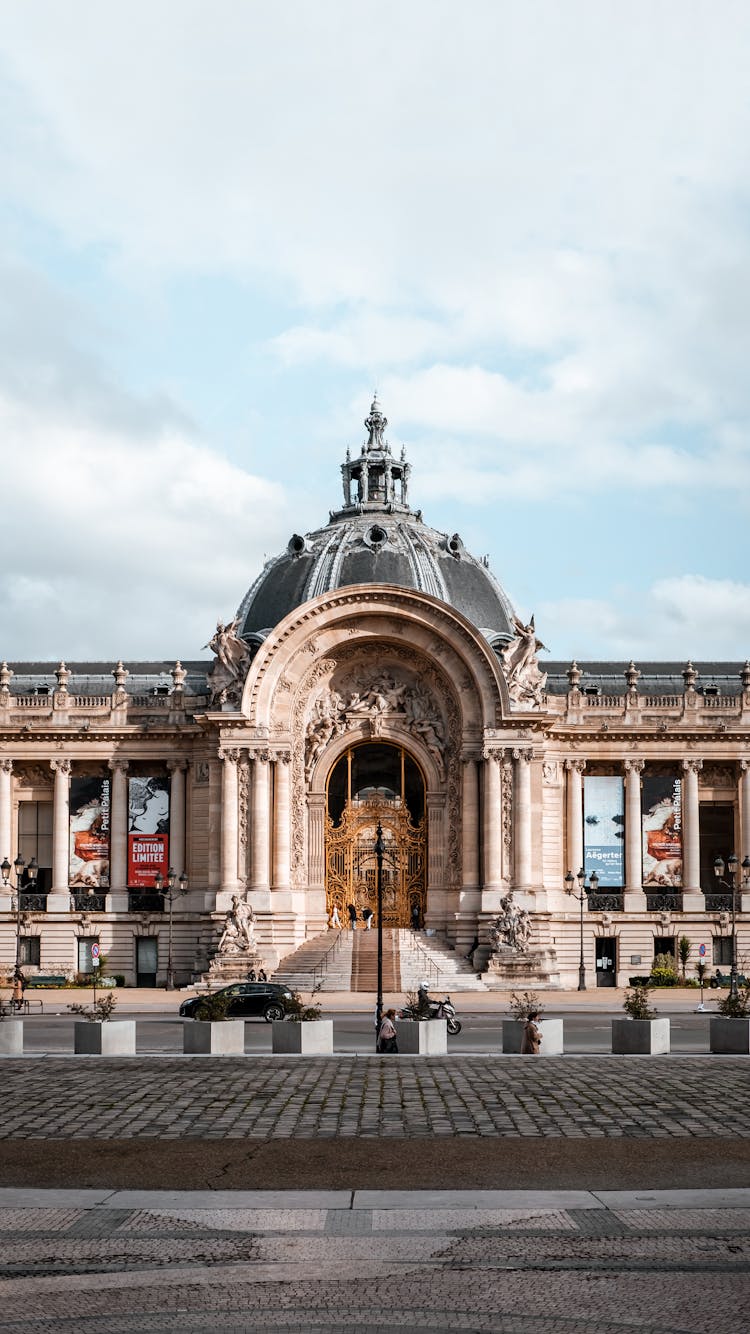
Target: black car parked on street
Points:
(267, 1000)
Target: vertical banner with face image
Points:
(661, 806)
(604, 829)
(148, 830)
(89, 832)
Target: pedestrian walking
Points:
(19, 986)
(367, 918)
(473, 946)
(335, 919)
(352, 911)
(387, 1037)
(532, 1036)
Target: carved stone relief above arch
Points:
(367, 691)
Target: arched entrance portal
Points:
(372, 783)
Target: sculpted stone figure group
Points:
(239, 928)
(232, 661)
(520, 663)
(373, 698)
(511, 927)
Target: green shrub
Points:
(299, 1013)
(735, 1007)
(100, 1010)
(663, 971)
(212, 1008)
(636, 1003)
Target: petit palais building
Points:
(375, 674)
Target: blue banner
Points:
(604, 829)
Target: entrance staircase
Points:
(348, 961)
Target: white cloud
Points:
(123, 544)
(689, 616)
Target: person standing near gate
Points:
(367, 918)
(352, 911)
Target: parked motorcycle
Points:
(438, 1009)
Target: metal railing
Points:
(664, 902)
(718, 902)
(606, 902)
(89, 902)
(321, 967)
(434, 971)
(138, 902)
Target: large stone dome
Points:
(376, 538)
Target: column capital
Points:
(61, 766)
(283, 756)
(118, 765)
(692, 765)
(744, 766)
(231, 755)
(6, 765)
(575, 766)
(262, 756)
(177, 766)
(525, 753)
(634, 766)
(488, 753)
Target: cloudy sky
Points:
(224, 224)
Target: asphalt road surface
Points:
(161, 1032)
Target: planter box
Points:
(552, 1036)
(202, 1037)
(11, 1037)
(314, 1038)
(729, 1037)
(640, 1037)
(112, 1037)
(422, 1037)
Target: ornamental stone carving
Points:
(238, 935)
(520, 664)
(373, 697)
(511, 928)
(227, 676)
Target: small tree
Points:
(736, 1007)
(663, 971)
(636, 1003)
(521, 1006)
(298, 1012)
(213, 1008)
(101, 1008)
(685, 949)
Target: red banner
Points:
(147, 854)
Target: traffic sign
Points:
(95, 952)
(701, 950)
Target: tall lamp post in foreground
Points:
(593, 885)
(379, 852)
(731, 885)
(32, 871)
(170, 896)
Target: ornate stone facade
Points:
(376, 665)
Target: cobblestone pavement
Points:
(238, 1098)
(574, 1263)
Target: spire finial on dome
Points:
(376, 424)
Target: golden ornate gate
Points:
(351, 866)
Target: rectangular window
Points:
(85, 961)
(723, 951)
(35, 840)
(716, 826)
(29, 950)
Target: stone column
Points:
(522, 825)
(260, 821)
(230, 881)
(743, 842)
(692, 898)
(574, 770)
(6, 809)
(281, 832)
(6, 817)
(470, 824)
(58, 900)
(635, 899)
(177, 851)
(117, 900)
(492, 822)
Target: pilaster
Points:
(634, 898)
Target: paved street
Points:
(575, 1262)
(476, 1192)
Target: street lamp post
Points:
(731, 884)
(170, 896)
(593, 885)
(379, 851)
(32, 871)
